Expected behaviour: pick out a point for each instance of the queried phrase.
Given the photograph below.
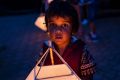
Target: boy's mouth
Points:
(58, 37)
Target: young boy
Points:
(62, 23)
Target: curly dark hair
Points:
(63, 9)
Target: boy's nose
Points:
(58, 29)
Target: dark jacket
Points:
(77, 56)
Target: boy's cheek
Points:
(52, 36)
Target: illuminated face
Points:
(60, 30)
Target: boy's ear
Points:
(73, 33)
(48, 33)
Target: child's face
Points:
(60, 30)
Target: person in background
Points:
(62, 23)
(76, 5)
(88, 11)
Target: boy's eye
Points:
(52, 24)
(65, 26)
(54, 27)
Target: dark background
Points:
(20, 39)
(110, 7)
(19, 6)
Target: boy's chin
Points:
(58, 41)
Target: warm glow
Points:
(49, 1)
(52, 72)
(40, 23)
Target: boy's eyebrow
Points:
(67, 21)
(50, 20)
(64, 21)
